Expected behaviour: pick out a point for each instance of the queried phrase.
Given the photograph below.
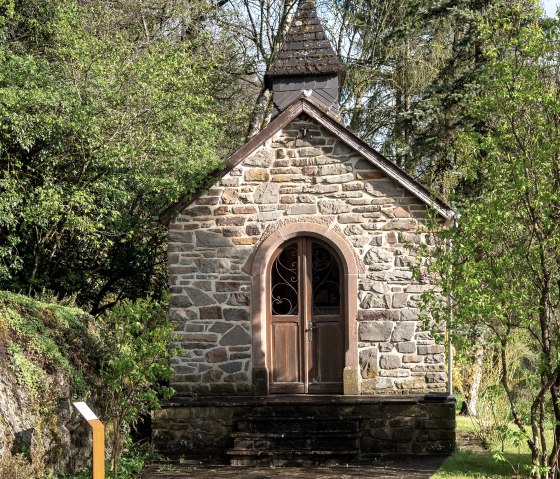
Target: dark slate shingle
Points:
(306, 49)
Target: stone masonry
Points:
(302, 173)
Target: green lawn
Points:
(470, 464)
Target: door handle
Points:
(310, 327)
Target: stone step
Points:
(305, 441)
(308, 424)
(291, 457)
(295, 437)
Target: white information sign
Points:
(85, 411)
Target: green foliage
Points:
(120, 361)
(503, 270)
(53, 352)
(511, 460)
(41, 337)
(100, 131)
(136, 365)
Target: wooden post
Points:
(98, 439)
(98, 448)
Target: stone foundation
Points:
(387, 426)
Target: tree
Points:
(103, 124)
(504, 268)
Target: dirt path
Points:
(413, 468)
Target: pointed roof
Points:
(306, 49)
(307, 105)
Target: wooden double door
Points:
(305, 319)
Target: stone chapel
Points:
(292, 293)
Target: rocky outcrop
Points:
(46, 363)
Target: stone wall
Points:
(303, 173)
(203, 428)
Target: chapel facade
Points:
(291, 282)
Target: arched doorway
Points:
(305, 318)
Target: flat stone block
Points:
(375, 331)
(390, 361)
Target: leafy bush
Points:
(135, 366)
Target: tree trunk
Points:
(470, 404)
(260, 113)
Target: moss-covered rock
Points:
(48, 358)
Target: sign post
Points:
(98, 439)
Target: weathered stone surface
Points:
(198, 211)
(252, 230)
(230, 196)
(334, 169)
(386, 347)
(400, 300)
(378, 315)
(237, 336)
(431, 349)
(211, 312)
(231, 367)
(222, 265)
(370, 175)
(410, 383)
(412, 358)
(406, 347)
(363, 164)
(400, 225)
(231, 221)
(436, 377)
(217, 355)
(338, 178)
(375, 331)
(404, 331)
(179, 301)
(379, 287)
(302, 209)
(264, 157)
(310, 152)
(409, 314)
(239, 299)
(330, 207)
(373, 300)
(267, 193)
(350, 218)
(199, 298)
(368, 363)
(257, 174)
(390, 361)
(212, 376)
(236, 314)
(212, 240)
(219, 327)
(378, 255)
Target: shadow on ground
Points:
(413, 468)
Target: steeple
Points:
(305, 62)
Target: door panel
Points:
(306, 347)
(286, 365)
(327, 352)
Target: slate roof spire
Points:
(306, 61)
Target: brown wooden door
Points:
(306, 347)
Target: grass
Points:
(467, 464)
